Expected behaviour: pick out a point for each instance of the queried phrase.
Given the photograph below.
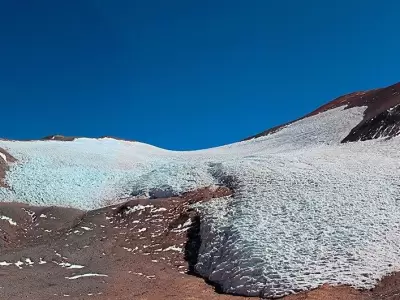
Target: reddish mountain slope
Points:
(381, 118)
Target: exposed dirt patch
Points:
(5, 159)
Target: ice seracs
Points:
(306, 209)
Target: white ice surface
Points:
(88, 173)
(307, 210)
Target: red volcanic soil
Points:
(381, 118)
(140, 249)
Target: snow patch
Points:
(174, 248)
(86, 275)
(75, 267)
(86, 228)
(68, 265)
(136, 208)
(8, 219)
(41, 261)
(3, 156)
(161, 209)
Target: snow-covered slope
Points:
(307, 209)
(90, 173)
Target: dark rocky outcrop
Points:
(59, 137)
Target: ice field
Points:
(307, 209)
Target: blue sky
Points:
(185, 74)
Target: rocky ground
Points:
(141, 249)
(136, 250)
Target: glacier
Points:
(307, 210)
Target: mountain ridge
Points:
(299, 208)
(378, 119)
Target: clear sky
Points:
(185, 74)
